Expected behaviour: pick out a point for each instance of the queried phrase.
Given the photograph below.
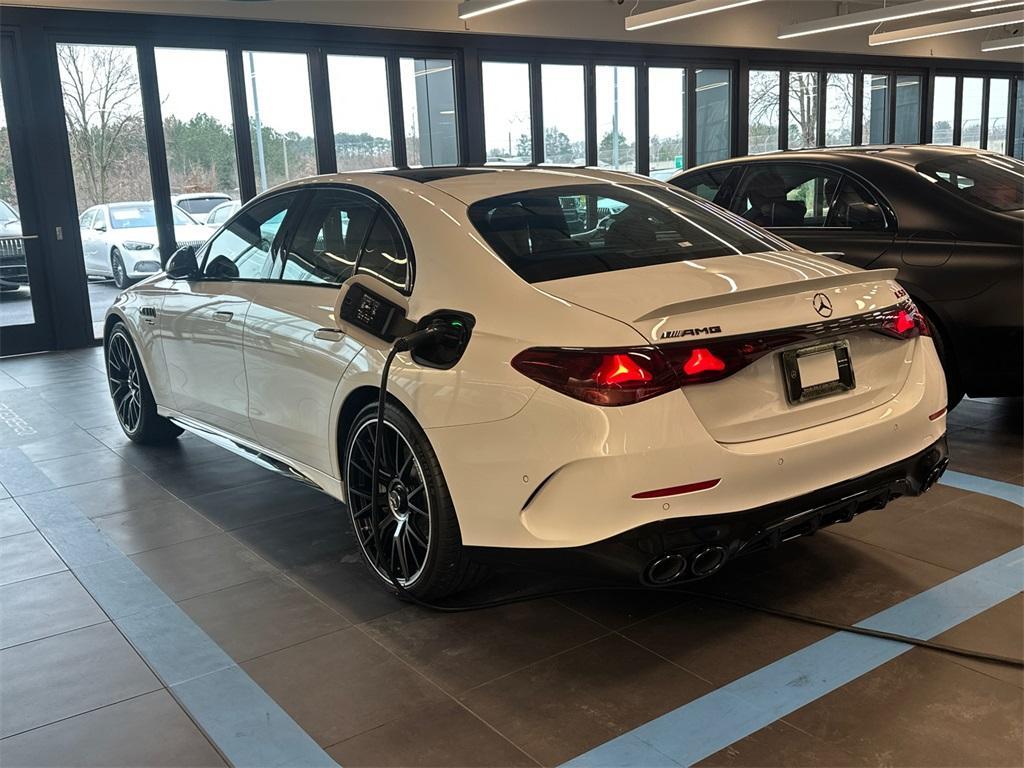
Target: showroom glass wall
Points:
(140, 110)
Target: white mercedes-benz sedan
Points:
(579, 366)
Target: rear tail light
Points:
(904, 322)
(597, 376)
(613, 377)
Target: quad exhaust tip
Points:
(708, 561)
(666, 569)
(672, 567)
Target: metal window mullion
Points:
(399, 153)
(323, 119)
(741, 110)
(822, 100)
(643, 120)
(154, 129)
(469, 106)
(958, 110)
(983, 128)
(691, 117)
(928, 106)
(1011, 116)
(240, 121)
(590, 110)
(857, 137)
(536, 113)
(784, 108)
(890, 128)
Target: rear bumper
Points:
(709, 541)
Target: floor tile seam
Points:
(505, 675)
(58, 634)
(160, 687)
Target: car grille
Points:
(12, 247)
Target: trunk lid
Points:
(742, 296)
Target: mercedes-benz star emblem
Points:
(822, 305)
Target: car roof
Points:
(470, 184)
(201, 196)
(909, 155)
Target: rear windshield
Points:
(559, 232)
(993, 183)
(201, 204)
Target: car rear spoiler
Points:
(769, 292)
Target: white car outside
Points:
(216, 218)
(665, 392)
(199, 204)
(120, 240)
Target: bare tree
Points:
(763, 103)
(803, 109)
(105, 124)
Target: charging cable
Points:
(439, 330)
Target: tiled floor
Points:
(269, 570)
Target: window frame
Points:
(888, 214)
(382, 205)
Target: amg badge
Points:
(680, 332)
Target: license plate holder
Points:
(798, 391)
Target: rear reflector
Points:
(937, 415)
(678, 490)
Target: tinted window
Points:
(328, 241)
(853, 207)
(783, 195)
(200, 204)
(384, 255)
(244, 250)
(642, 226)
(704, 184)
(993, 183)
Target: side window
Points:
(384, 254)
(705, 184)
(86, 219)
(327, 242)
(786, 195)
(853, 207)
(244, 251)
(100, 220)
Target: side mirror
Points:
(183, 264)
(100, 227)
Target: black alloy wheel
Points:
(118, 270)
(402, 519)
(123, 376)
(129, 389)
(413, 536)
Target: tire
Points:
(416, 510)
(954, 389)
(117, 269)
(129, 389)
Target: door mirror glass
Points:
(183, 264)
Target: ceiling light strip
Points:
(946, 28)
(877, 16)
(1003, 43)
(472, 8)
(681, 11)
(998, 6)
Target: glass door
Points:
(24, 302)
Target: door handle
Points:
(222, 316)
(328, 334)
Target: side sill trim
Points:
(256, 456)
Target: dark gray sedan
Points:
(950, 219)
